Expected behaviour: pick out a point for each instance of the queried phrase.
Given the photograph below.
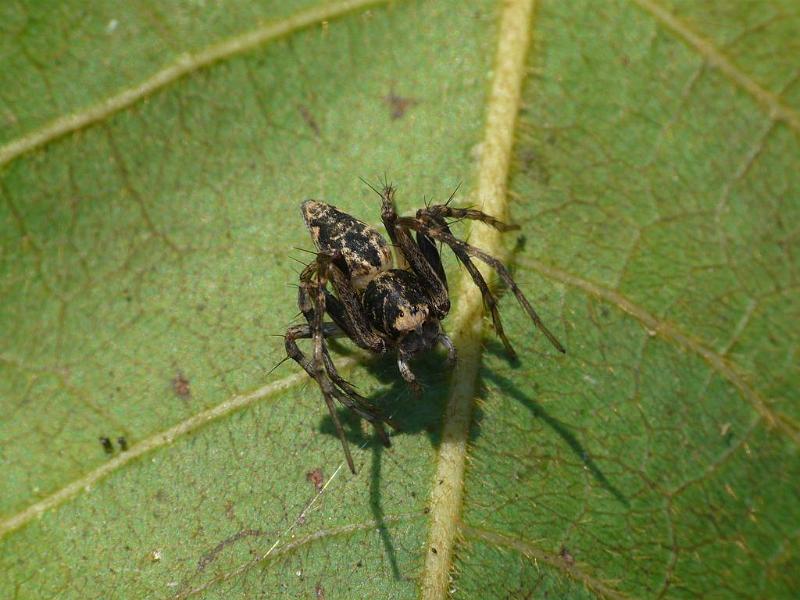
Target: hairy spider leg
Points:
(431, 254)
(351, 399)
(436, 215)
(424, 260)
(437, 233)
(348, 315)
(445, 211)
(346, 311)
(426, 271)
(311, 301)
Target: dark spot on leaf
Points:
(434, 550)
(315, 476)
(398, 105)
(308, 118)
(359, 564)
(180, 385)
(106, 443)
(566, 556)
(122, 443)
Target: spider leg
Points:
(436, 232)
(325, 385)
(489, 299)
(421, 256)
(347, 313)
(341, 389)
(312, 304)
(442, 211)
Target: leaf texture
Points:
(152, 162)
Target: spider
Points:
(380, 308)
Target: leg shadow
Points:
(413, 415)
(561, 428)
(355, 436)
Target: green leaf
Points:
(152, 161)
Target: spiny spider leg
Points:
(489, 299)
(325, 385)
(438, 233)
(347, 395)
(414, 255)
(442, 211)
(311, 301)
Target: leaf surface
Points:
(152, 162)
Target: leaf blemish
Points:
(398, 105)
(316, 477)
(181, 387)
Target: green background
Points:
(658, 197)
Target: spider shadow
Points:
(413, 414)
(559, 427)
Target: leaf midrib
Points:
(187, 64)
(447, 491)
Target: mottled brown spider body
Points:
(336, 233)
(379, 307)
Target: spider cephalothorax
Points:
(382, 308)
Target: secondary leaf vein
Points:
(671, 332)
(776, 108)
(183, 65)
(162, 438)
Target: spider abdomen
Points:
(365, 252)
(395, 302)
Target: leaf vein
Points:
(532, 552)
(776, 108)
(669, 331)
(296, 544)
(184, 65)
(155, 441)
(501, 115)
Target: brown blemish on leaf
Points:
(315, 476)
(180, 385)
(319, 592)
(308, 118)
(398, 105)
(229, 510)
